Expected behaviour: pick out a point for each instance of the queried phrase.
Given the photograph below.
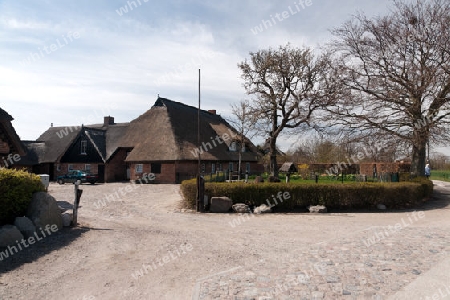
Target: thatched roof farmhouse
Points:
(162, 141)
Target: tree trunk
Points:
(273, 140)
(418, 160)
(240, 162)
(419, 152)
(241, 145)
(273, 157)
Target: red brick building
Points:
(162, 141)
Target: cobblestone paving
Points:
(347, 268)
(342, 255)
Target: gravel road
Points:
(139, 244)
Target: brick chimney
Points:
(108, 121)
(212, 111)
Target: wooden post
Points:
(200, 194)
(76, 203)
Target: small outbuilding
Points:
(288, 167)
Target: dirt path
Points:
(141, 246)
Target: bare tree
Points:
(289, 85)
(381, 148)
(244, 121)
(397, 72)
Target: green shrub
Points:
(334, 196)
(16, 190)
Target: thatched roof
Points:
(288, 167)
(114, 135)
(4, 116)
(35, 150)
(57, 140)
(168, 132)
(9, 135)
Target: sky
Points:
(73, 62)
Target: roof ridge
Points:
(162, 100)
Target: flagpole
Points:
(198, 123)
(200, 182)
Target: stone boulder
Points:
(241, 208)
(44, 210)
(317, 209)
(220, 204)
(9, 236)
(67, 218)
(25, 225)
(262, 209)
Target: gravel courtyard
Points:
(140, 245)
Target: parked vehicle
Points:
(75, 175)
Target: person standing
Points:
(427, 171)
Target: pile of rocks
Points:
(43, 212)
(225, 205)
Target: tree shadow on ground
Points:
(41, 248)
(65, 205)
(439, 200)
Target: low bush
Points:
(334, 196)
(16, 190)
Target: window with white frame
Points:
(58, 167)
(230, 166)
(87, 168)
(233, 146)
(247, 167)
(213, 168)
(243, 147)
(83, 146)
(139, 168)
(70, 167)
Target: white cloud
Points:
(13, 23)
(121, 61)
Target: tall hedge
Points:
(16, 190)
(334, 196)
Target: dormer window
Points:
(83, 147)
(233, 147)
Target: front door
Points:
(101, 173)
